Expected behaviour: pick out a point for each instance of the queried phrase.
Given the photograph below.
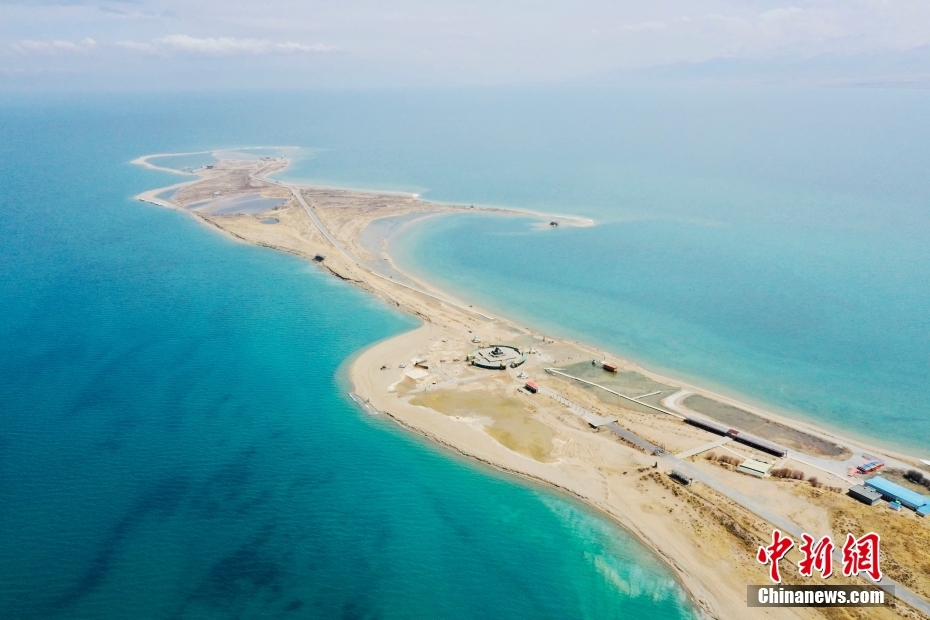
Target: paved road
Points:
(839, 469)
(325, 231)
(704, 448)
(786, 525)
(782, 523)
(586, 414)
(632, 399)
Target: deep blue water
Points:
(175, 435)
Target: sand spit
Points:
(421, 379)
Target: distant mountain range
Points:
(910, 68)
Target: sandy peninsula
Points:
(597, 427)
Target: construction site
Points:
(698, 478)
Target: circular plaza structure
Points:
(497, 357)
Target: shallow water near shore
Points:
(824, 333)
(176, 440)
(768, 245)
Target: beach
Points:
(422, 379)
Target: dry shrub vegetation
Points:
(787, 472)
(905, 546)
(726, 459)
(739, 532)
(917, 477)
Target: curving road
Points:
(295, 190)
(840, 469)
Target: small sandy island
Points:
(573, 417)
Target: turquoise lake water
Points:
(772, 245)
(175, 436)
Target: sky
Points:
(132, 44)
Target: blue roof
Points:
(896, 491)
(924, 510)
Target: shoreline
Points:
(437, 442)
(717, 392)
(693, 588)
(587, 478)
(575, 221)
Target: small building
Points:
(531, 387)
(864, 494)
(497, 357)
(867, 468)
(680, 477)
(754, 467)
(610, 367)
(417, 373)
(895, 492)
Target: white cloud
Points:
(224, 46)
(53, 47)
(458, 42)
(300, 47)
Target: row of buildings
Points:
(878, 488)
